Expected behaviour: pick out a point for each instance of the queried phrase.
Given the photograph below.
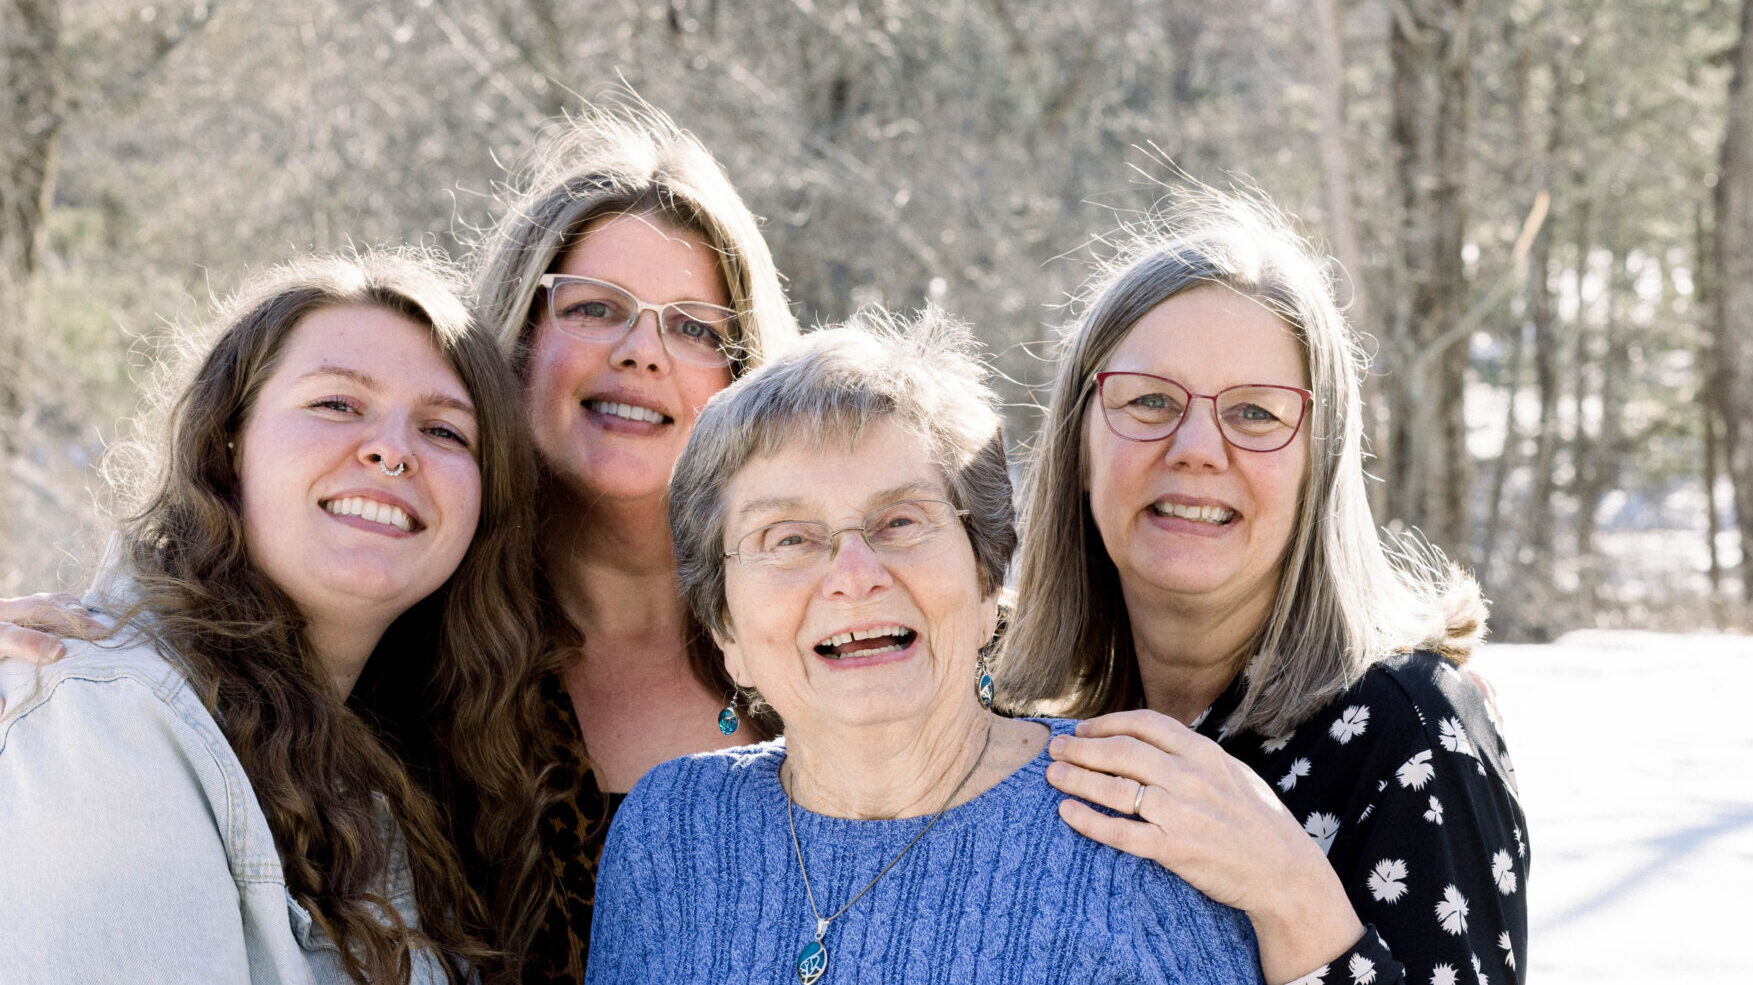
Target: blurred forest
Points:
(1543, 208)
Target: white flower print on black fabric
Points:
(1479, 972)
(1316, 977)
(1371, 779)
(1451, 910)
(1435, 814)
(1503, 872)
(1415, 772)
(1509, 950)
(1454, 736)
(1388, 880)
(1201, 719)
(1322, 828)
(1352, 722)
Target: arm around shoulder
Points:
(112, 805)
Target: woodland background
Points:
(1543, 208)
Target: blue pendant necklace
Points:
(812, 961)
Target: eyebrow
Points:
(893, 494)
(432, 398)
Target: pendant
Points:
(812, 962)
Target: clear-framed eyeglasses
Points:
(599, 311)
(1253, 416)
(800, 548)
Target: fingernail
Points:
(1057, 746)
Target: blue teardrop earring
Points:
(985, 685)
(727, 719)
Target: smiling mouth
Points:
(866, 642)
(1214, 515)
(627, 412)
(372, 511)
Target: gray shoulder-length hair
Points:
(829, 387)
(1345, 599)
(625, 160)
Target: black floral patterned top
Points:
(1405, 782)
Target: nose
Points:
(1198, 442)
(390, 451)
(639, 349)
(854, 569)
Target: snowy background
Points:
(1634, 752)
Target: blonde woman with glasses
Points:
(1280, 717)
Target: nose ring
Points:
(401, 466)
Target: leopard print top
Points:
(572, 832)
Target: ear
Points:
(734, 664)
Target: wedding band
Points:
(1137, 799)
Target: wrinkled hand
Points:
(32, 627)
(1211, 820)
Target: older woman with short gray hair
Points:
(842, 523)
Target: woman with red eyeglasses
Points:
(1281, 717)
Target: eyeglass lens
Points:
(600, 311)
(1252, 417)
(792, 545)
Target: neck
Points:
(1189, 653)
(344, 647)
(886, 771)
(612, 565)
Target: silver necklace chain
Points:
(822, 924)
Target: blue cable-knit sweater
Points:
(699, 883)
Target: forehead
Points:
(387, 347)
(1212, 337)
(650, 256)
(819, 477)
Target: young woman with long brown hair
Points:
(343, 480)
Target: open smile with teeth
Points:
(1217, 515)
(628, 412)
(371, 510)
(867, 642)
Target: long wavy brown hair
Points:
(324, 774)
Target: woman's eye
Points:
(1255, 413)
(697, 330)
(340, 404)
(445, 432)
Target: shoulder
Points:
(1429, 700)
(690, 786)
(109, 678)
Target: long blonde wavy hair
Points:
(1347, 597)
(628, 159)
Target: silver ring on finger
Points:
(1137, 799)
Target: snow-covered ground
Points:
(1634, 752)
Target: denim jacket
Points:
(132, 848)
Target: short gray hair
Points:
(833, 384)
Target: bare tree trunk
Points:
(30, 134)
(1431, 46)
(1342, 209)
(1734, 294)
